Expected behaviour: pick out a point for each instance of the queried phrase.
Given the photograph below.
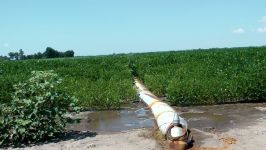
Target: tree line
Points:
(48, 53)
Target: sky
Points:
(96, 27)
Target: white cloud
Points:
(6, 45)
(263, 19)
(262, 30)
(239, 31)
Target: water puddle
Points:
(204, 121)
(223, 117)
(134, 117)
(204, 118)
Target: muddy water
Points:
(204, 118)
(223, 117)
(129, 117)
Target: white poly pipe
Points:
(165, 115)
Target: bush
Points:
(38, 110)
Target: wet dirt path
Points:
(213, 127)
(224, 127)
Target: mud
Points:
(225, 127)
(207, 123)
(222, 117)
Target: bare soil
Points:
(128, 140)
(251, 137)
(248, 138)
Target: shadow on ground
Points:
(75, 135)
(66, 136)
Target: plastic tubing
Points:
(169, 122)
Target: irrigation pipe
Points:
(169, 122)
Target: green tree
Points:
(11, 55)
(16, 55)
(51, 53)
(38, 55)
(21, 54)
(69, 53)
(3, 58)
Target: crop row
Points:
(211, 76)
(196, 77)
(98, 82)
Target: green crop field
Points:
(102, 82)
(193, 77)
(212, 76)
